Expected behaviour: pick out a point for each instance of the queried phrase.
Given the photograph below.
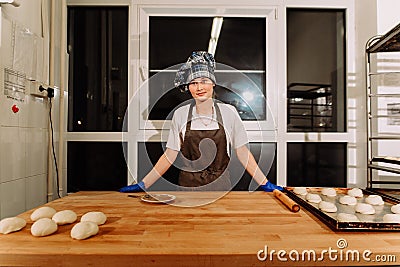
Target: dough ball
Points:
(391, 218)
(83, 230)
(329, 192)
(64, 217)
(355, 192)
(300, 191)
(348, 200)
(347, 217)
(313, 198)
(94, 216)
(43, 227)
(395, 208)
(42, 212)
(327, 206)
(374, 200)
(12, 224)
(365, 208)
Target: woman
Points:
(200, 135)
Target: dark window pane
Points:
(96, 166)
(98, 74)
(317, 164)
(264, 153)
(180, 36)
(316, 70)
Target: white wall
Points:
(24, 135)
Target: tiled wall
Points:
(23, 155)
(24, 134)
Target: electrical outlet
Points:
(34, 89)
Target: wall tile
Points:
(36, 151)
(36, 191)
(12, 155)
(12, 198)
(8, 117)
(38, 112)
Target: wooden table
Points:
(228, 232)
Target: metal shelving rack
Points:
(389, 42)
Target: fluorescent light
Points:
(212, 46)
(216, 27)
(215, 31)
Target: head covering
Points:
(199, 64)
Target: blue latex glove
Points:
(269, 187)
(133, 188)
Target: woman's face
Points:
(201, 89)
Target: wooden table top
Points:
(227, 232)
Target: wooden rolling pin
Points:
(293, 206)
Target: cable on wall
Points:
(50, 95)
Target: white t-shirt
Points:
(234, 129)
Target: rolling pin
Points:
(293, 206)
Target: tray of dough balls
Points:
(349, 208)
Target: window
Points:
(98, 74)
(317, 164)
(240, 55)
(316, 72)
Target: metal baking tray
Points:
(366, 223)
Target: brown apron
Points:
(215, 177)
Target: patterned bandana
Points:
(199, 64)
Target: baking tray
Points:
(366, 223)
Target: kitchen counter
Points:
(235, 230)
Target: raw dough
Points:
(42, 212)
(391, 218)
(313, 198)
(94, 216)
(348, 200)
(64, 217)
(355, 192)
(300, 191)
(329, 192)
(365, 208)
(395, 208)
(374, 200)
(43, 227)
(84, 230)
(347, 217)
(327, 206)
(12, 224)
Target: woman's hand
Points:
(269, 187)
(133, 188)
